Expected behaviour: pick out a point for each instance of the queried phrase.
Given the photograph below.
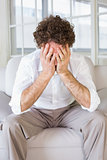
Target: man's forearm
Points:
(32, 93)
(79, 91)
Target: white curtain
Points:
(4, 33)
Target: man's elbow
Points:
(87, 102)
(23, 106)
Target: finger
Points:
(60, 54)
(53, 59)
(48, 57)
(41, 52)
(46, 49)
(42, 49)
(58, 59)
(68, 49)
(63, 50)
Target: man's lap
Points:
(71, 117)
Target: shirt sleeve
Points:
(85, 78)
(22, 81)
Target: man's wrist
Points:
(47, 74)
(64, 74)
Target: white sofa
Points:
(52, 143)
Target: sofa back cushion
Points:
(101, 76)
(2, 79)
(12, 67)
(103, 97)
(10, 74)
(91, 67)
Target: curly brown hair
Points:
(54, 28)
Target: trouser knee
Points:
(98, 119)
(10, 122)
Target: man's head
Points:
(55, 29)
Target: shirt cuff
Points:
(15, 103)
(95, 101)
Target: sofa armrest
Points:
(5, 109)
(103, 97)
(91, 68)
(101, 76)
(10, 74)
(2, 79)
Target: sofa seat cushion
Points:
(3, 149)
(10, 74)
(5, 109)
(55, 144)
(103, 97)
(2, 145)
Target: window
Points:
(81, 18)
(60, 9)
(24, 17)
(78, 12)
(89, 18)
(102, 32)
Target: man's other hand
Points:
(63, 58)
(47, 60)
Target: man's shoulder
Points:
(77, 58)
(31, 56)
(76, 62)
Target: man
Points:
(48, 81)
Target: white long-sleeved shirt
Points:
(55, 95)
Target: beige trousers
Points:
(19, 128)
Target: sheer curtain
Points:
(4, 33)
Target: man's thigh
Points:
(77, 118)
(31, 122)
